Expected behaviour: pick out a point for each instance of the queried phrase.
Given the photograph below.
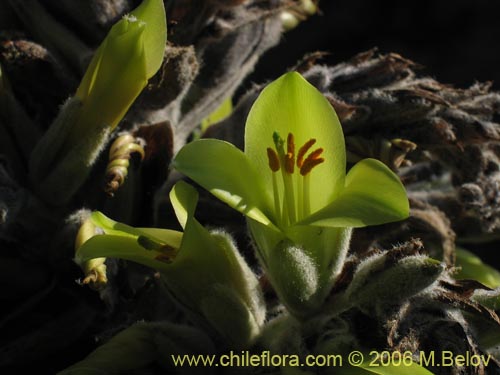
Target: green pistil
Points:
(289, 216)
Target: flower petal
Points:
(123, 247)
(208, 260)
(470, 266)
(292, 105)
(165, 236)
(115, 77)
(226, 172)
(152, 12)
(373, 195)
(184, 200)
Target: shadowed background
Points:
(456, 41)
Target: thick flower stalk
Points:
(131, 53)
(201, 269)
(291, 183)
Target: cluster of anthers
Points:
(291, 208)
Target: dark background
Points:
(457, 41)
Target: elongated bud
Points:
(130, 54)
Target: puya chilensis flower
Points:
(131, 53)
(291, 184)
(202, 270)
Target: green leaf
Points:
(373, 195)
(411, 369)
(223, 111)
(226, 172)
(152, 12)
(141, 346)
(487, 298)
(292, 105)
(472, 267)
(370, 367)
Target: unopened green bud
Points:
(130, 54)
(294, 275)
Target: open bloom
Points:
(291, 183)
(202, 270)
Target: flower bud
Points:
(130, 54)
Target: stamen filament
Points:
(284, 213)
(289, 196)
(305, 194)
(290, 154)
(277, 206)
(300, 198)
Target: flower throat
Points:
(291, 207)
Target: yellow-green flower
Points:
(202, 270)
(291, 183)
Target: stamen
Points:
(315, 154)
(309, 164)
(290, 154)
(289, 197)
(274, 161)
(303, 150)
(287, 209)
(311, 161)
(276, 194)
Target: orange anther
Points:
(274, 162)
(303, 150)
(315, 154)
(309, 164)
